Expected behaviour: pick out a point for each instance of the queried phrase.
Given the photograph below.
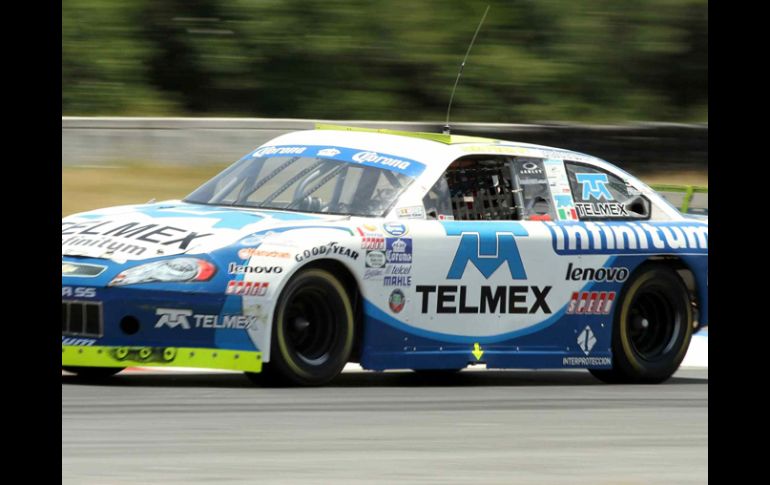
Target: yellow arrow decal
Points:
(477, 352)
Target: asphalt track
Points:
(524, 427)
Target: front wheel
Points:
(652, 327)
(312, 335)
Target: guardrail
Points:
(637, 147)
(684, 196)
(199, 141)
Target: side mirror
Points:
(638, 206)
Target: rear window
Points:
(600, 195)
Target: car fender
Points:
(260, 269)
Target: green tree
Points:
(534, 60)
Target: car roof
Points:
(428, 148)
(436, 151)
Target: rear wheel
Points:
(93, 372)
(651, 329)
(312, 335)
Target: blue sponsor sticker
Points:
(396, 229)
(405, 166)
(629, 237)
(564, 201)
(398, 250)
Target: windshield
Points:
(287, 178)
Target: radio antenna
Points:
(460, 72)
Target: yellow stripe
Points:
(101, 356)
(439, 137)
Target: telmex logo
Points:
(172, 317)
(487, 246)
(594, 186)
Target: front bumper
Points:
(111, 356)
(160, 326)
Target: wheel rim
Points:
(654, 321)
(310, 328)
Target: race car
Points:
(394, 250)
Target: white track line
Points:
(698, 353)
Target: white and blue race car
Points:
(395, 250)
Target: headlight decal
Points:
(176, 270)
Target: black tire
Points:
(312, 335)
(93, 373)
(651, 329)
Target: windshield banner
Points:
(405, 166)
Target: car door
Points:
(494, 273)
(484, 266)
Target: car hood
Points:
(137, 232)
